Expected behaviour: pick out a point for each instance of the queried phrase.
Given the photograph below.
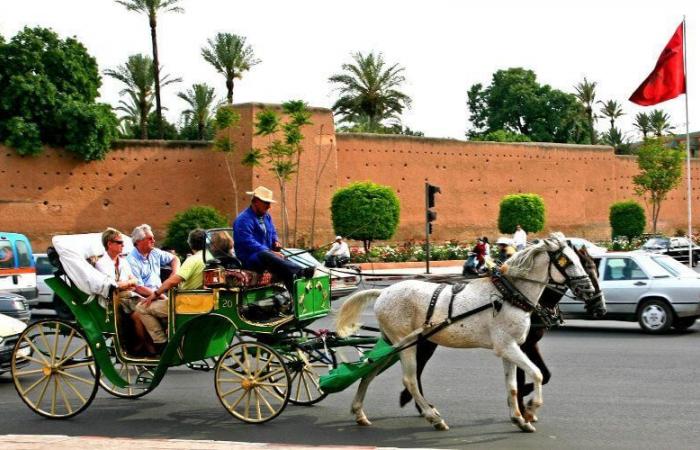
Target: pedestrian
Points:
(339, 254)
(519, 238)
(505, 250)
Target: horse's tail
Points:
(349, 313)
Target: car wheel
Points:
(655, 316)
(683, 323)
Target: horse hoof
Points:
(363, 422)
(529, 416)
(441, 426)
(527, 427)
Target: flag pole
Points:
(687, 146)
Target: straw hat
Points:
(262, 193)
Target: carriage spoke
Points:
(75, 390)
(306, 386)
(33, 386)
(271, 392)
(36, 350)
(32, 359)
(73, 353)
(227, 393)
(270, 374)
(237, 402)
(261, 369)
(66, 402)
(77, 365)
(75, 377)
(278, 385)
(53, 397)
(257, 404)
(232, 372)
(46, 343)
(246, 411)
(43, 392)
(29, 372)
(300, 377)
(228, 380)
(67, 345)
(269, 407)
(54, 352)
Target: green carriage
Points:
(254, 330)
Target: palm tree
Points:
(151, 9)
(660, 123)
(368, 90)
(230, 56)
(643, 123)
(612, 110)
(585, 93)
(201, 99)
(137, 75)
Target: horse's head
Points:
(596, 303)
(570, 271)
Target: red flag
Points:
(667, 80)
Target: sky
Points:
(445, 47)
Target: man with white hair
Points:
(339, 254)
(255, 241)
(145, 261)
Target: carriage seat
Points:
(218, 277)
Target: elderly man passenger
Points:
(145, 261)
(255, 241)
(189, 276)
(114, 264)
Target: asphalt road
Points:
(612, 387)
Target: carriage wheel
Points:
(252, 382)
(305, 369)
(132, 373)
(51, 369)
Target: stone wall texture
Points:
(148, 182)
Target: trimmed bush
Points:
(184, 222)
(525, 209)
(627, 219)
(365, 211)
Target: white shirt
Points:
(520, 238)
(106, 266)
(339, 249)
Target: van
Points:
(17, 268)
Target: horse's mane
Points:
(522, 262)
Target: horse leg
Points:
(528, 347)
(536, 358)
(360, 416)
(424, 351)
(512, 397)
(408, 364)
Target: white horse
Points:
(401, 312)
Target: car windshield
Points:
(43, 266)
(656, 242)
(300, 256)
(672, 266)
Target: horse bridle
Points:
(577, 284)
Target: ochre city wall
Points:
(141, 182)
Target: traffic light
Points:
(430, 192)
(430, 215)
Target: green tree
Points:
(366, 212)
(516, 103)
(612, 110)
(525, 209)
(151, 8)
(659, 173)
(201, 100)
(185, 221)
(225, 120)
(230, 56)
(660, 123)
(369, 92)
(615, 138)
(501, 136)
(48, 88)
(585, 93)
(137, 76)
(281, 155)
(643, 124)
(627, 219)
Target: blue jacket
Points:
(249, 239)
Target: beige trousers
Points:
(151, 315)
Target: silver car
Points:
(655, 290)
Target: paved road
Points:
(613, 387)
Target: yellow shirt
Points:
(191, 272)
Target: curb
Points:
(62, 442)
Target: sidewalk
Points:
(58, 442)
(390, 271)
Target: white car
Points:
(655, 290)
(594, 250)
(10, 329)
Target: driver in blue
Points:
(255, 241)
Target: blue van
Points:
(17, 267)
